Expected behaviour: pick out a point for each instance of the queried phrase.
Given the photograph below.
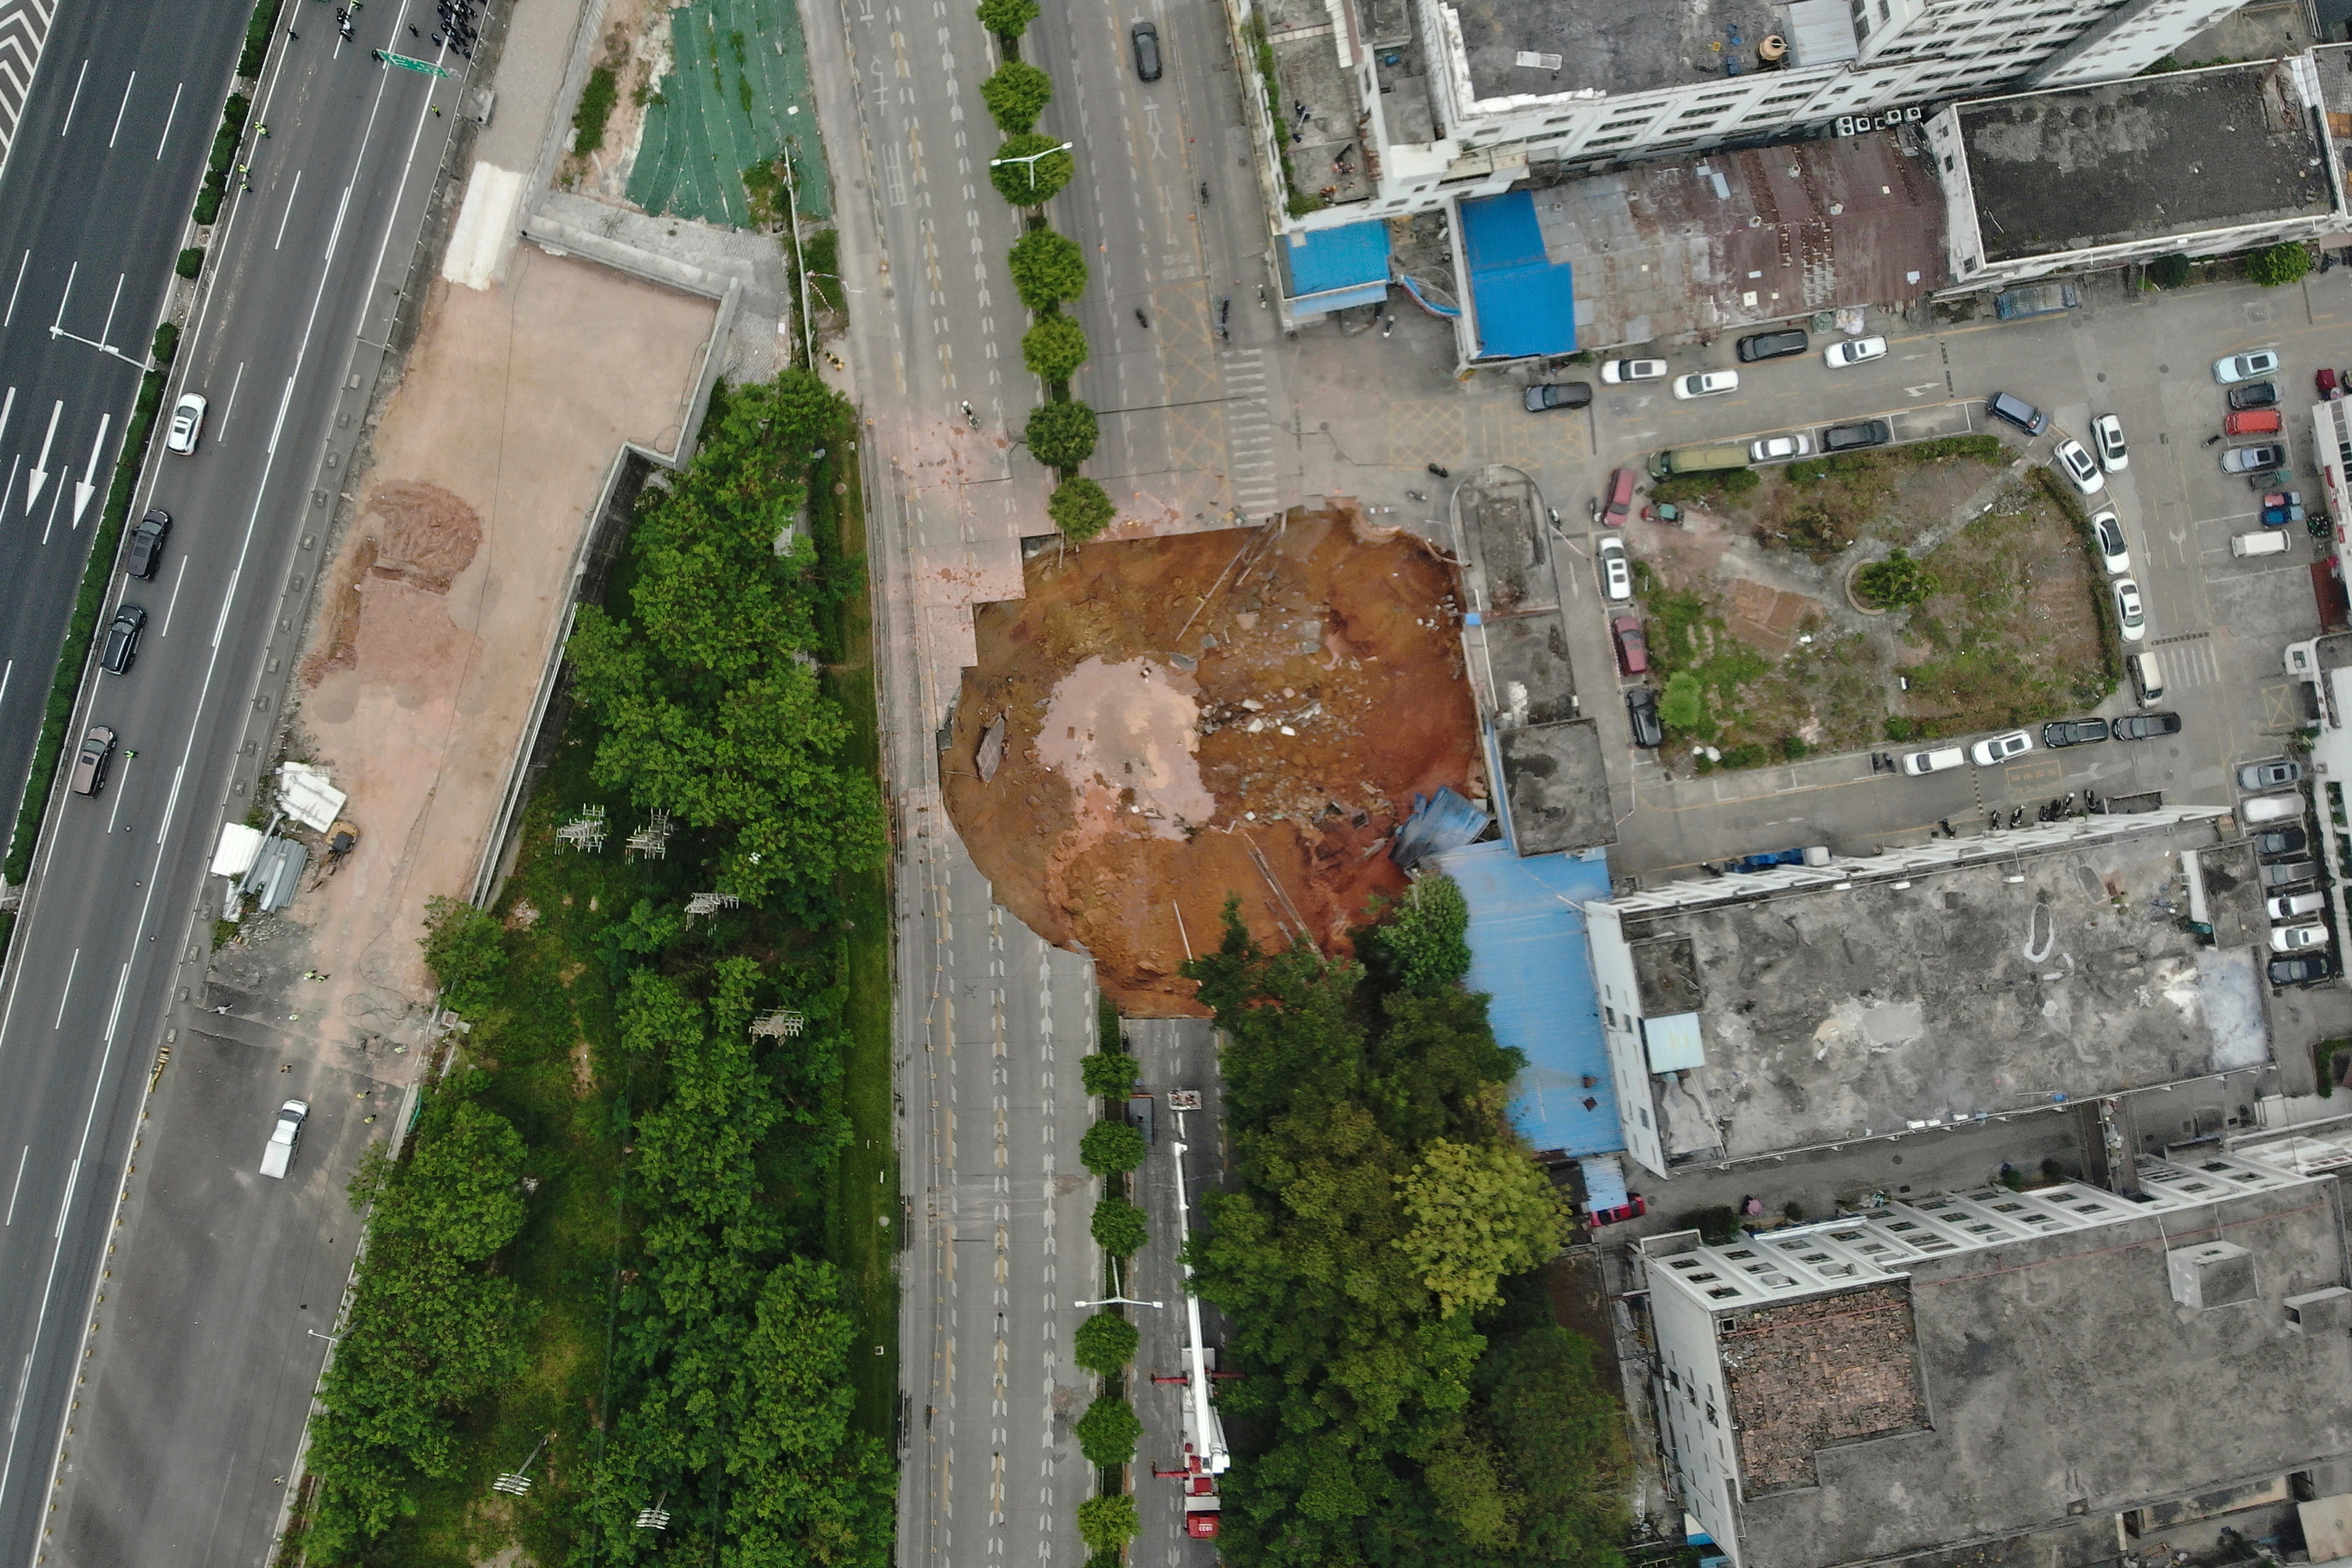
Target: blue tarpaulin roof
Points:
(1350, 256)
(1528, 953)
(1439, 822)
(1525, 304)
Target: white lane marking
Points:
(73, 1179)
(7, 408)
(168, 119)
(294, 190)
(113, 817)
(74, 102)
(175, 605)
(67, 992)
(19, 1187)
(39, 474)
(220, 436)
(21, 263)
(117, 131)
(87, 486)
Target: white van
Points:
(2147, 677)
(1916, 763)
(2264, 543)
(2257, 808)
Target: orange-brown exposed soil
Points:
(1210, 714)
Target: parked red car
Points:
(1634, 1208)
(1633, 647)
(1621, 498)
(2253, 422)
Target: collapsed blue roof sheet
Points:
(1526, 952)
(1439, 822)
(1351, 256)
(1525, 304)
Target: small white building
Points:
(2199, 163)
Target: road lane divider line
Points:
(74, 102)
(291, 193)
(116, 133)
(220, 436)
(178, 774)
(22, 262)
(19, 1187)
(169, 117)
(73, 1179)
(169, 610)
(67, 990)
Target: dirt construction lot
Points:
(1248, 712)
(437, 610)
(1748, 600)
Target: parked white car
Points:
(1854, 350)
(2131, 615)
(2294, 906)
(2299, 939)
(2107, 436)
(2001, 748)
(2108, 530)
(1705, 383)
(2245, 367)
(187, 426)
(1779, 449)
(278, 1154)
(2078, 466)
(1616, 572)
(1617, 371)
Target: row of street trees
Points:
(1049, 270)
(1112, 1148)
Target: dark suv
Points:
(1642, 713)
(2073, 732)
(2145, 726)
(2281, 841)
(1773, 345)
(1862, 433)
(145, 552)
(2254, 394)
(2296, 971)
(123, 639)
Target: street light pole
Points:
(1032, 161)
(1115, 1299)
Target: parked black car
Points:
(1773, 345)
(1642, 708)
(2254, 394)
(2280, 841)
(1545, 395)
(2073, 732)
(2145, 726)
(2296, 971)
(1862, 433)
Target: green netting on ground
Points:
(741, 69)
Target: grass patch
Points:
(596, 100)
(2323, 1058)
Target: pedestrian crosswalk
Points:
(23, 29)
(1249, 434)
(2189, 661)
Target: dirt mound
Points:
(425, 535)
(1247, 711)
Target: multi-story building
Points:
(1379, 108)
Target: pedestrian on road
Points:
(413, 32)
(263, 129)
(437, 109)
(293, 34)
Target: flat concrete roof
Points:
(1557, 787)
(1732, 240)
(1831, 1015)
(1614, 45)
(2063, 1383)
(2080, 167)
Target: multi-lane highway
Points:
(203, 1387)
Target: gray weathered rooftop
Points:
(2064, 1384)
(1557, 787)
(1828, 1014)
(2071, 169)
(1615, 46)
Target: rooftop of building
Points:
(1556, 786)
(1906, 998)
(1316, 101)
(2075, 168)
(2026, 1351)
(1612, 47)
(1679, 250)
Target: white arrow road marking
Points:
(7, 409)
(83, 488)
(39, 474)
(1923, 388)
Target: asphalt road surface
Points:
(197, 1364)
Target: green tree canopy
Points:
(1110, 1149)
(2168, 272)
(1896, 583)
(2278, 265)
(1107, 1431)
(1424, 941)
(1016, 95)
(1110, 1074)
(1682, 705)
(1054, 347)
(1105, 1343)
(1040, 175)
(1118, 1228)
(1480, 1211)
(466, 949)
(1062, 434)
(707, 704)
(1048, 268)
(1080, 509)
(1007, 19)
(1106, 1523)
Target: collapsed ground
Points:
(1247, 712)
(1750, 597)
